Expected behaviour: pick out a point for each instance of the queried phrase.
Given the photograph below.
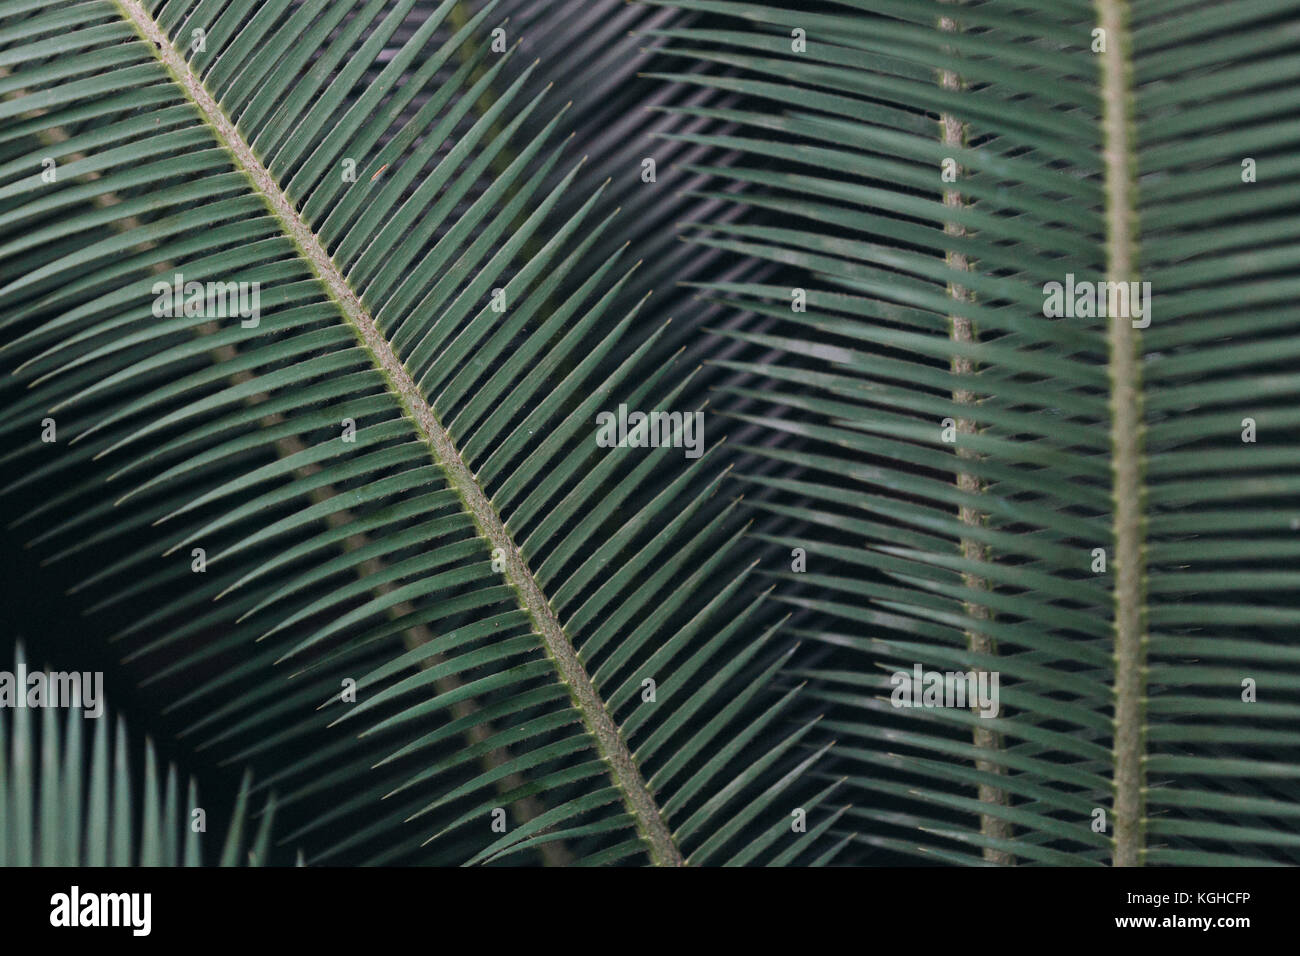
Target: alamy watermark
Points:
(976, 690)
(213, 300)
(133, 911)
(651, 430)
(24, 688)
(1084, 299)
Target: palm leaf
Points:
(495, 587)
(1125, 692)
(66, 801)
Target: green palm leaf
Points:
(950, 457)
(66, 801)
(388, 483)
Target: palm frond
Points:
(381, 554)
(66, 800)
(1074, 503)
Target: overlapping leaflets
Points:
(378, 551)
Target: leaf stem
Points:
(1126, 437)
(962, 330)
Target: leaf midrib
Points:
(583, 695)
(1126, 438)
(996, 828)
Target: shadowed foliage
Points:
(364, 546)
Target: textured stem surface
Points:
(955, 133)
(1126, 436)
